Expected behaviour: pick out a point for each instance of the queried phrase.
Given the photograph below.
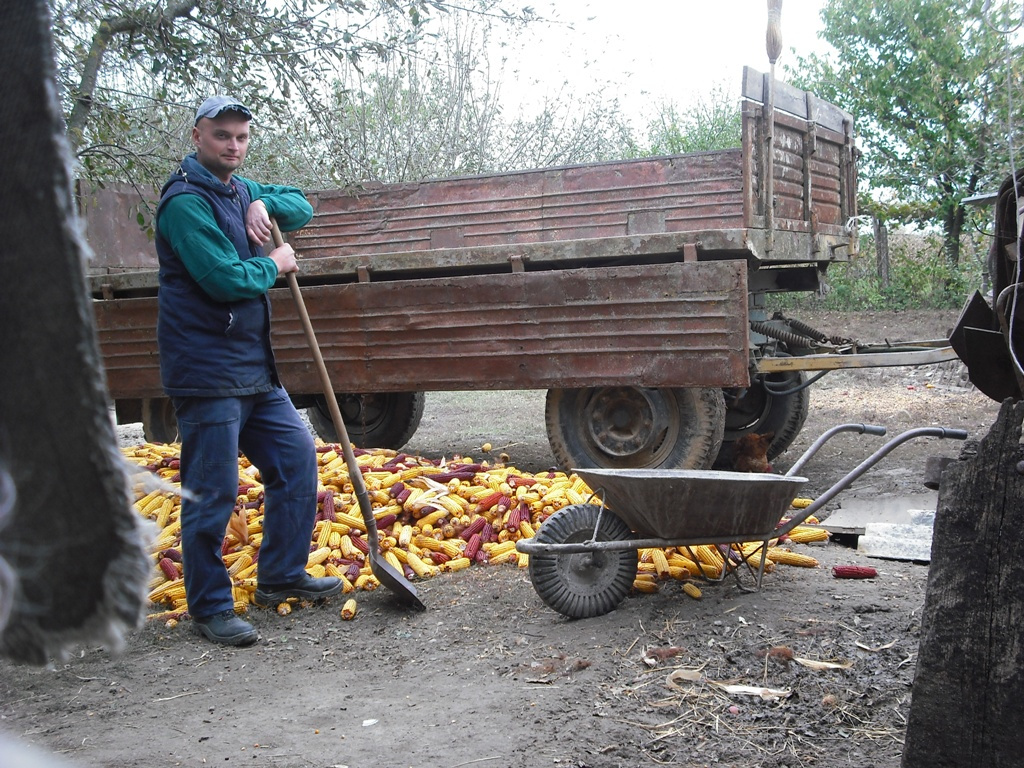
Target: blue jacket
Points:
(213, 326)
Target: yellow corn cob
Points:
(316, 571)
(143, 501)
(402, 554)
(152, 505)
(333, 538)
(346, 585)
(573, 497)
(679, 572)
(348, 610)
(452, 547)
(496, 548)
(348, 549)
(523, 560)
(367, 582)
(340, 528)
(692, 590)
(175, 591)
(450, 504)
(456, 564)
(420, 568)
(645, 585)
(232, 557)
(406, 475)
(331, 569)
(786, 557)
(556, 491)
(240, 595)
(431, 518)
(805, 534)
(323, 534)
(350, 519)
(317, 556)
(801, 503)
(707, 555)
(243, 561)
(526, 530)
(660, 562)
(505, 556)
(676, 560)
(246, 573)
(164, 513)
(392, 558)
(428, 542)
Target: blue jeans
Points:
(268, 430)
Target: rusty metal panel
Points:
(658, 325)
(676, 325)
(110, 216)
(126, 329)
(650, 196)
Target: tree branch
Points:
(108, 28)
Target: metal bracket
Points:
(363, 273)
(517, 263)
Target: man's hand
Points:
(284, 257)
(257, 224)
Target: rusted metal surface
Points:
(112, 228)
(658, 326)
(618, 199)
(127, 334)
(814, 173)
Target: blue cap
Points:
(216, 105)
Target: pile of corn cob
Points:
(432, 517)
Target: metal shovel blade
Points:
(382, 570)
(981, 347)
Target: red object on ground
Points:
(854, 572)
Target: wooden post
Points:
(967, 703)
(882, 252)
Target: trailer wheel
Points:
(159, 424)
(585, 584)
(635, 427)
(758, 410)
(374, 420)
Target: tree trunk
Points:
(967, 705)
(882, 253)
(70, 504)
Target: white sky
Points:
(654, 50)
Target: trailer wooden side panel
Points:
(677, 325)
(638, 197)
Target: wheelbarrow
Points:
(584, 557)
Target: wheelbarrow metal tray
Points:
(691, 504)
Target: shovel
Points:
(384, 572)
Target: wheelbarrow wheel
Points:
(586, 584)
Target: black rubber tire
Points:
(587, 584)
(634, 427)
(159, 424)
(374, 420)
(759, 411)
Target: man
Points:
(218, 368)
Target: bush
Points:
(920, 277)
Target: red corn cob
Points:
(475, 526)
(473, 545)
(854, 572)
(169, 568)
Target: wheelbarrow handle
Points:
(863, 429)
(864, 466)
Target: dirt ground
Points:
(488, 675)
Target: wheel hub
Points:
(623, 421)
